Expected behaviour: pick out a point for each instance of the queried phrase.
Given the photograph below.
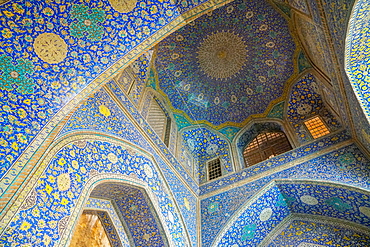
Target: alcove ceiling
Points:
(228, 64)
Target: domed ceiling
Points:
(228, 64)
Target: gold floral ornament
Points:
(104, 110)
(123, 6)
(112, 158)
(50, 47)
(64, 182)
(222, 55)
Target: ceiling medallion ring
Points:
(222, 55)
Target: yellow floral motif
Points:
(75, 164)
(47, 239)
(41, 224)
(22, 113)
(112, 158)
(64, 182)
(18, 8)
(8, 14)
(61, 161)
(104, 110)
(7, 33)
(64, 201)
(21, 138)
(51, 179)
(25, 226)
(36, 212)
(15, 146)
(48, 189)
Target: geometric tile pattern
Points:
(50, 51)
(216, 100)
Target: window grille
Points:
(316, 127)
(214, 169)
(159, 121)
(265, 146)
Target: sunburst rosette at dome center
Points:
(228, 64)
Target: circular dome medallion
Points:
(222, 55)
(124, 6)
(50, 47)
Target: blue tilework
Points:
(136, 210)
(340, 203)
(205, 145)
(275, 162)
(140, 69)
(300, 5)
(347, 165)
(59, 187)
(304, 231)
(357, 59)
(109, 228)
(90, 116)
(216, 101)
(146, 127)
(306, 102)
(94, 38)
(256, 221)
(277, 111)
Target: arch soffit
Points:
(349, 65)
(277, 183)
(43, 163)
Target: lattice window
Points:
(159, 121)
(265, 146)
(214, 169)
(316, 127)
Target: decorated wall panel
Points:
(304, 232)
(253, 221)
(51, 50)
(206, 145)
(274, 163)
(346, 165)
(137, 212)
(250, 226)
(314, 43)
(357, 67)
(306, 102)
(50, 208)
(100, 113)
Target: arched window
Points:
(264, 146)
